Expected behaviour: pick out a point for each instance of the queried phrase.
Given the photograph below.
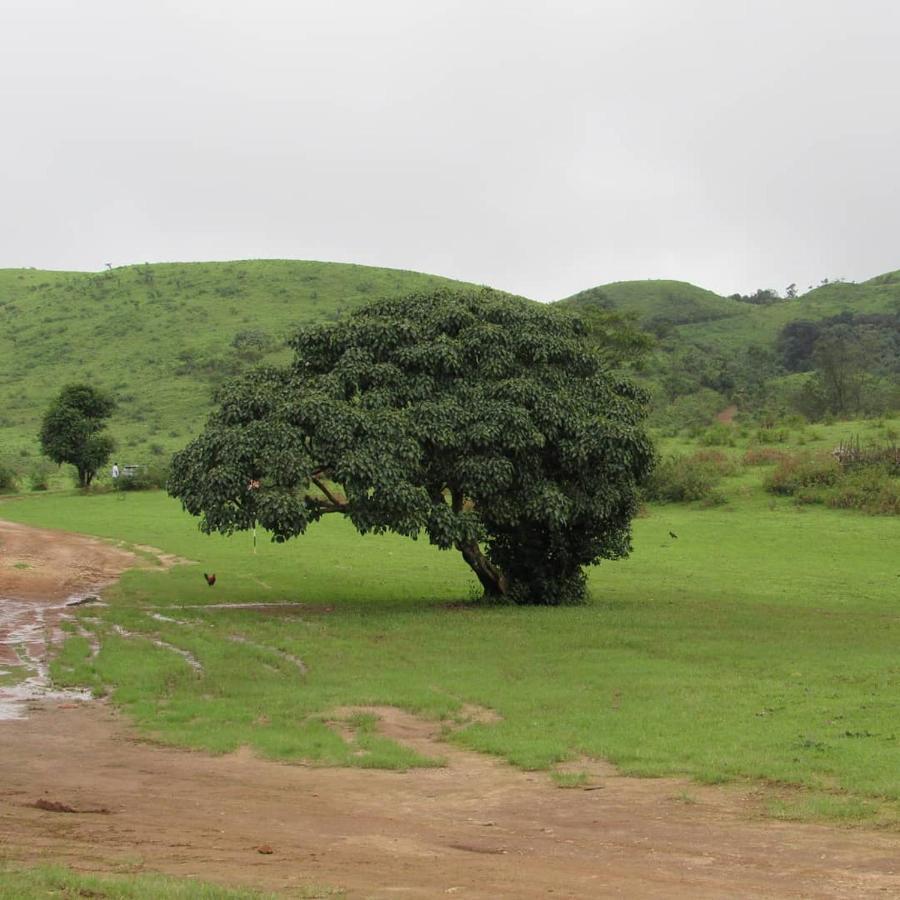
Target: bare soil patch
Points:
(726, 416)
(47, 566)
(474, 828)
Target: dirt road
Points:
(476, 828)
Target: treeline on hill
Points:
(845, 365)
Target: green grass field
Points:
(760, 643)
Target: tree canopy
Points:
(72, 430)
(486, 422)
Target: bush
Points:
(7, 479)
(841, 483)
(149, 478)
(716, 460)
(39, 477)
(693, 411)
(803, 471)
(681, 479)
(772, 435)
(764, 456)
(718, 435)
(871, 490)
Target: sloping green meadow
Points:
(706, 318)
(760, 643)
(161, 337)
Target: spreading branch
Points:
(339, 502)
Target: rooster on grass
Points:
(210, 579)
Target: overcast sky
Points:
(540, 147)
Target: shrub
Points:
(803, 471)
(772, 435)
(716, 460)
(692, 411)
(681, 479)
(39, 477)
(7, 479)
(149, 478)
(764, 456)
(870, 489)
(718, 435)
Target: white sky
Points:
(540, 147)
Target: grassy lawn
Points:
(760, 643)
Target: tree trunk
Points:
(492, 579)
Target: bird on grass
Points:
(210, 579)
(671, 535)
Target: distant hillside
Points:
(700, 316)
(677, 302)
(712, 351)
(761, 324)
(160, 337)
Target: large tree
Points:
(484, 421)
(73, 428)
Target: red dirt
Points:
(726, 416)
(475, 828)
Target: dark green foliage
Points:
(796, 342)
(39, 477)
(474, 417)
(72, 430)
(616, 336)
(7, 478)
(878, 332)
(761, 297)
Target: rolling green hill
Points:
(700, 316)
(677, 302)
(160, 337)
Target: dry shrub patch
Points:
(865, 480)
(870, 489)
(802, 471)
(764, 456)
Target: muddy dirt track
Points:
(476, 828)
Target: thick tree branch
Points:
(336, 500)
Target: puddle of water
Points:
(27, 631)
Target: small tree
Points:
(486, 422)
(72, 430)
